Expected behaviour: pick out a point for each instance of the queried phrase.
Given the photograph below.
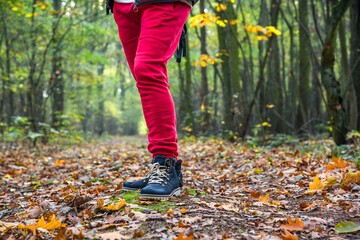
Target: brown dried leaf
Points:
(288, 236)
(337, 163)
(264, 199)
(181, 237)
(293, 225)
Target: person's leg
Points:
(129, 24)
(161, 26)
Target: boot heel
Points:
(177, 192)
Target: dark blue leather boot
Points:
(164, 182)
(139, 184)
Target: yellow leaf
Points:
(288, 236)
(315, 186)
(261, 38)
(265, 198)
(202, 20)
(220, 7)
(202, 107)
(352, 177)
(221, 23)
(272, 30)
(170, 211)
(293, 225)
(337, 163)
(258, 171)
(51, 225)
(30, 15)
(183, 210)
(330, 180)
(266, 124)
(115, 206)
(59, 163)
(276, 203)
(234, 22)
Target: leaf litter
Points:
(231, 191)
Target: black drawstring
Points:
(181, 51)
(109, 6)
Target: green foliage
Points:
(20, 130)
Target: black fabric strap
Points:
(181, 51)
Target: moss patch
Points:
(161, 206)
(132, 197)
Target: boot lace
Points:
(160, 175)
(151, 172)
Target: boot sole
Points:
(130, 189)
(176, 192)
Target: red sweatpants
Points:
(150, 36)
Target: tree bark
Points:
(274, 93)
(56, 74)
(347, 86)
(355, 55)
(335, 105)
(303, 108)
(204, 92)
(230, 65)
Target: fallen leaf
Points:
(60, 162)
(347, 227)
(183, 225)
(315, 186)
(293, 225)
(352, 177)
(115, 206)
(288, 236)
(35, 212)
(181, 237)
(51, 225)
(183, 210)
(337, 163)
(170, 211)
(138, 233)
(330, 180)
(112, 236)
(265, 198)
(4, 226)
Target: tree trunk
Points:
(355, 55)
(335, 106)
(347, 86)
(230, 65)
(57, 87)
(274, 94)
(303, 108)
(204, 92)
(292, 89)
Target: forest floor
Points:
(304, 190)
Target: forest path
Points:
(231, 191)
